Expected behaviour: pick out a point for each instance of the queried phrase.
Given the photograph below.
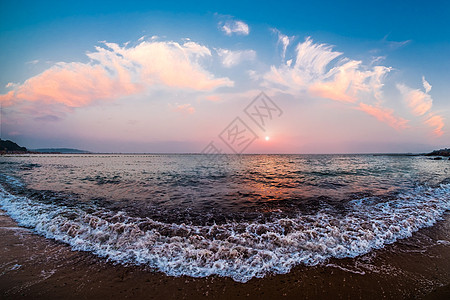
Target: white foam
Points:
(346, 269)
(443, 242)
(13, 181)
(239, 250)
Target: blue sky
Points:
(380, 58)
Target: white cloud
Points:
(284, 41)
(314, 71)
(394, 45)
(231, 58)
(237, 27)
(32, 62)
(377, 59)
(320, 71)
(426, 85)
(253, 75)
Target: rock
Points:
(442, 152)
(437, 158)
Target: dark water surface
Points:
(235, 216)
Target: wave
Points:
(240, 250)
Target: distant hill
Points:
(59, 150)
(8, 146)
(11, 147)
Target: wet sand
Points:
(32, 267)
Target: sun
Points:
(267, 138)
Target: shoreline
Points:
(33, 267)
(22, 153)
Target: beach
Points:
(32, 267)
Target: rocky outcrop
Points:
(11, 147)
(442, 152)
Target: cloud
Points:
(309, 66)
(47, 118)
(437, 122)
(418, 101)
(236, 27)
(74, 84)
(393, 45)
(253, 75)
(420, 104)
(32, 62)
(384, 115)
(396, 45)
(314, 71)
(213, 98)
(284, 41)
(348, 80)
(231, 58)
(11, 85)
(426, 85)
(320, 71)
(377, 59)
(182, 108)
(115, 71)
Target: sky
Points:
(229, 77)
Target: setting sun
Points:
(267, 138)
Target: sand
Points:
(32, 267)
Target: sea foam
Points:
(240, 250)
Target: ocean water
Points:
(235, 216)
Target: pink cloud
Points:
(317, 71)
(73, 84)
(183, 108)
(116, 71)
(437, 122)
(384, 115)
(7, 99)
(345, 83)
(213, 98)
(418, 101)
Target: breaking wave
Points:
(240, 250)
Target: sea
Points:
(237, 216)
